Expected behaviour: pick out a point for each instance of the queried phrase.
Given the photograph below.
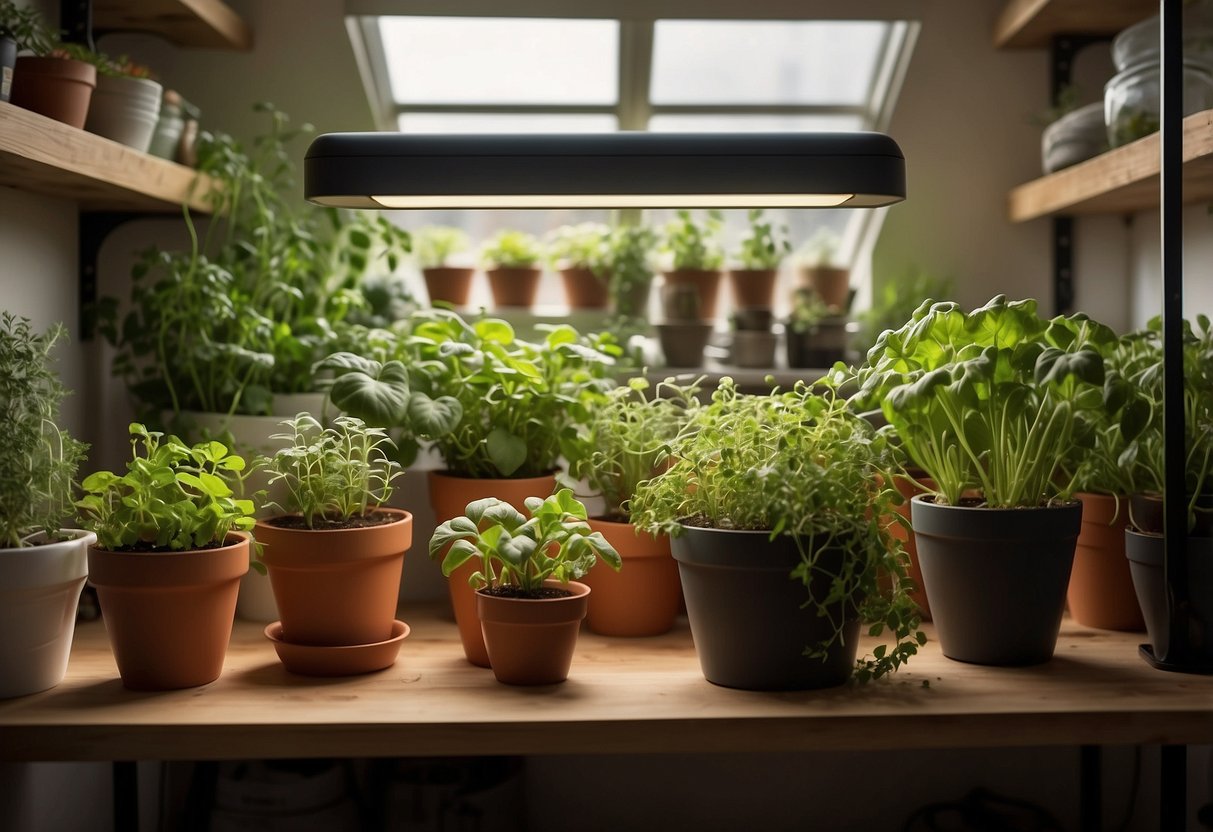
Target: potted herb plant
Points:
(759, 254)
(816, 336)
(626, 442)
(1144, 542)
(983, 402)
(434, 246)
(630, 252)
(774, 505)
(511, 260)
(528, 602)
(820, 272)
(52, 78)
(696, 255)
(335, 556)
(495, 407)
(125, 105)
(172, 545)
(581, 253)
(42, 564)
(682, 331)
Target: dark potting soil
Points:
(512, 591)
(617, 517)
(358, 521)
(148, 548)
(980, 502)
(701, 521)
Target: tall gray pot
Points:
(996, 578)
(8, 60)
(1145, 553)
(746, 614)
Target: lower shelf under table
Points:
(622, 696)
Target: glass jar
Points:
(167, 136)
(1131, 100)
(1138, 44)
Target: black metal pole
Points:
(1175, 650)
(1173, 788)
(1090, 788)
(126, 796)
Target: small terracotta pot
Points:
(642, 598)
(706, 283)
(169, 614)
(515, 286)
(585, 290)
(832, 285)
(907, 490)
(339, 587)
(753, 288)
(57, 88)
(531, 642)
(448, 284)
(1101, 590)
(449, 497)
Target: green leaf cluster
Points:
(332, 474)
(820, 249)
(797, 463)
(762, 246)
(554, 542)
(629, 262)
(586, 245)
(511, 250)
(988, 400)
(172, 496)
(251, 305)
(895, 300)
(628, 438)
(24, 25)
(694, 245)
(38, 460)
(492, 404)
(433, 245)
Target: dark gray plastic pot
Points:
(746, 614)
(996, 578)
(8, 60)
(1145, 553)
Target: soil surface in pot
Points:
(149, 548)
(700, 521)
(512, 591)
(359, 521)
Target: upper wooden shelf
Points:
(44, 156)
(622, 696)
(1120, 181)
(208, 24)
(1033, 23)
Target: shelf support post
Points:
(95, 226)
(76, 22)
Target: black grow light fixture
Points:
(605, 170)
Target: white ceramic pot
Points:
(1073, 138)
(39, 589)
(125, 110)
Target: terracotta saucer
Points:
(312, 660)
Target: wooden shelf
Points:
(1120, 181)
(44, 156)
(622, 696)
(1033, 23)
(208, 24)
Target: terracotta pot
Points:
(643, 597)
(39, 588)
(996, 577)
(832, 285)
(449, 496)
(1101, 584)
(169, 614)
(907, 490)
(753, 288)
(531, 642)
(514, 287)
(706, 283)
(54, 87)
(448, 284)
(585, 290)
(337, 587)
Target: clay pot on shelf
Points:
(831, 284)
(531, 641)
(514, 287)
(125, 110)
(908, 490)
(39, 588)
(642, 598)
(1101, 584)
(706, 283)
(169, 614)
(585, 289)
(449, 497)
(753, 288)
(57, 88)
(448, 284)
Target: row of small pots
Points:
(514, 287)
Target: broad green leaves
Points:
(555, 542)
(374, 392)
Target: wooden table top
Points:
(622, 696)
